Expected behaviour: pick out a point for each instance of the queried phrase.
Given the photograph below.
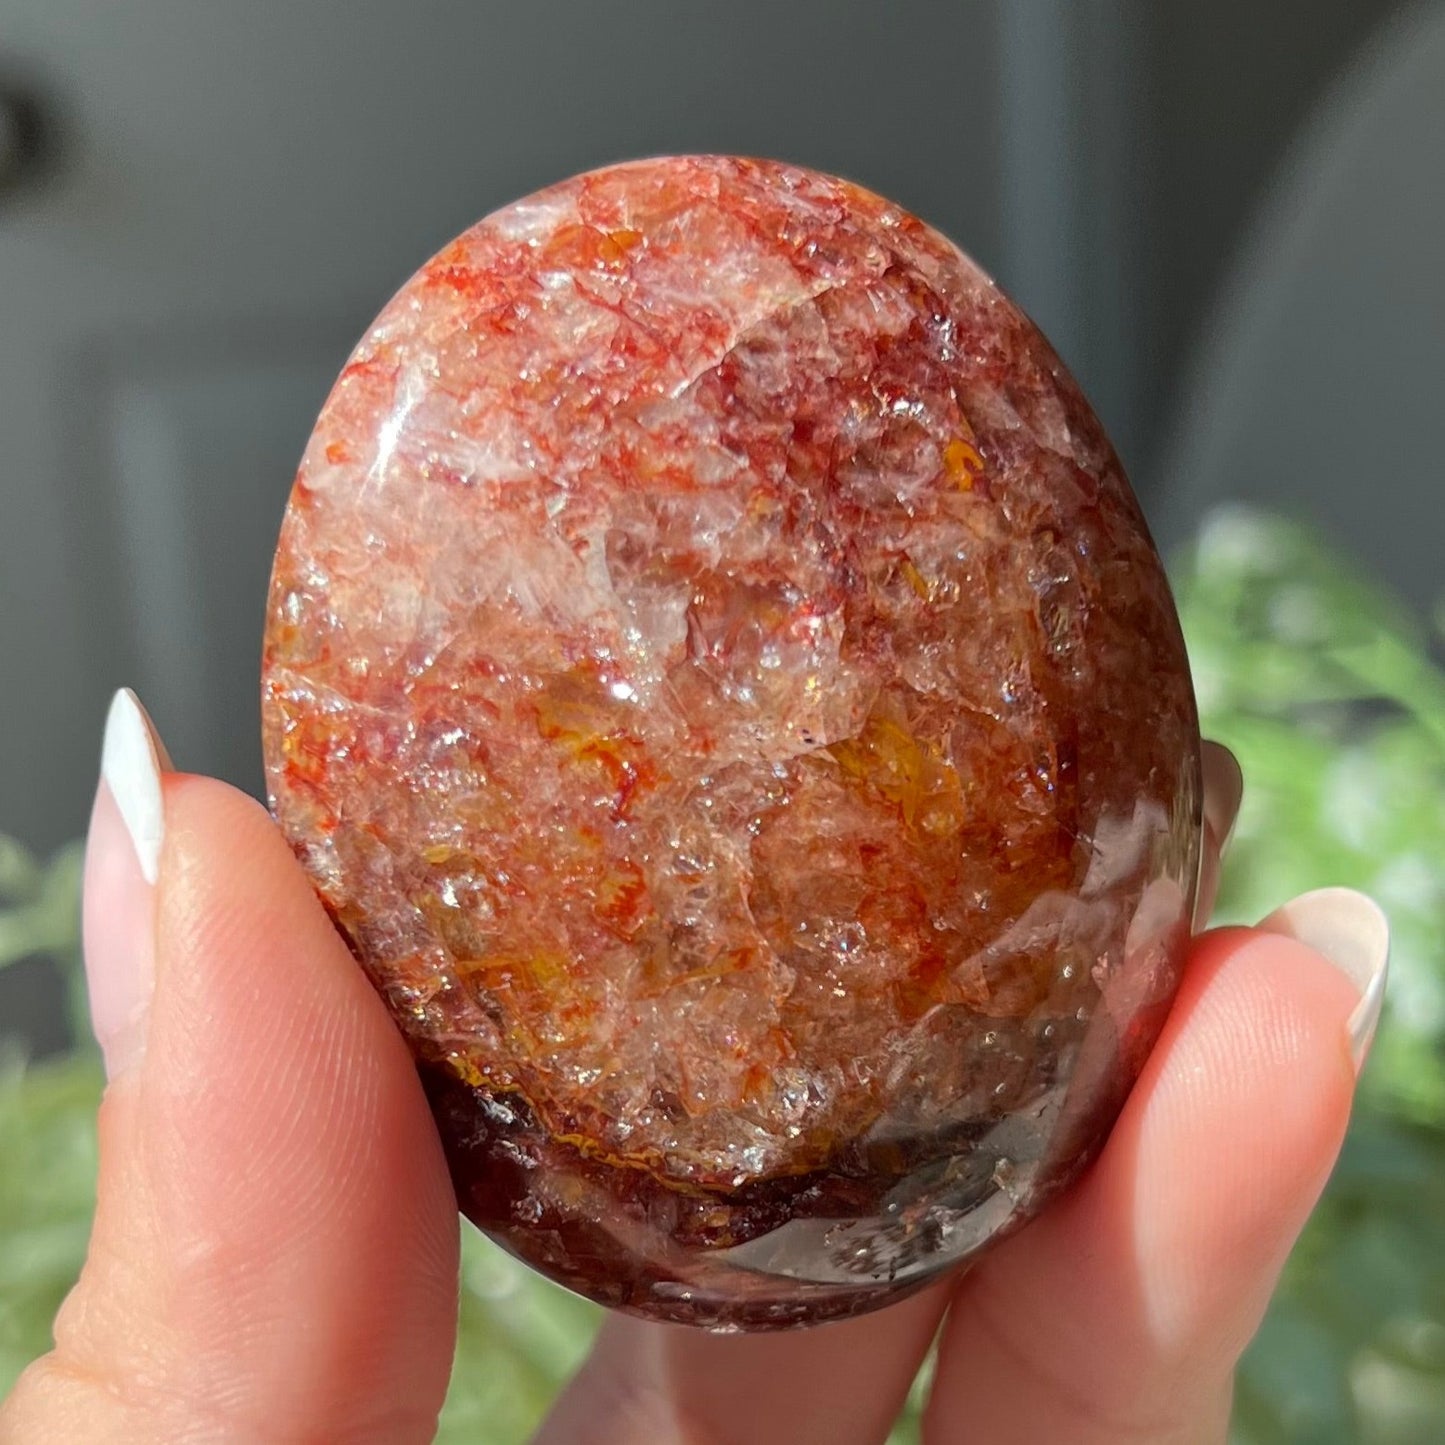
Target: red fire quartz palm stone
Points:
(720, 683)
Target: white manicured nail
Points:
(1223, 790)
(131, 761)
(122, 861)
(1351, 931)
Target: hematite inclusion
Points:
(722, 686)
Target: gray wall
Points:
(1315, 386)
(239, 186)
(1229, 86)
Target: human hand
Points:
(274, 1256)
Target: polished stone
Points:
(720, 682)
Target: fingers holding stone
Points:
(1120, 1314)
(274, 1250)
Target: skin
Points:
(275, 1248)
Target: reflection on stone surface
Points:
(719, 680)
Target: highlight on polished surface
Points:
(721, 684)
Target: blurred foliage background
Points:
(1329, 692)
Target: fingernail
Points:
(122, 860)
(1351, 931)
(1223, 785)
(1223, 790)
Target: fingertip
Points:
(1352, 932)
(273, 1048)
(1223, 790)
(276, 1239)
(1121, 1313)
(1222, 781)
(1232, 1132)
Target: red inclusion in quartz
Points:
(720, 682)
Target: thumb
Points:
(274, 1249)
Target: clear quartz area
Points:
(720, 682)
